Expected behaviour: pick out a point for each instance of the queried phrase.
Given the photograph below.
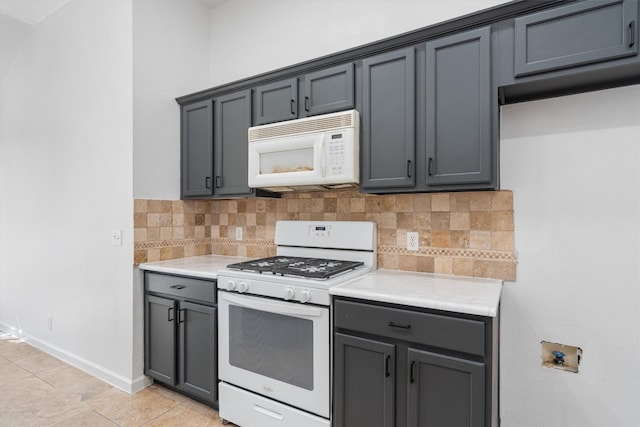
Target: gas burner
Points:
(315, 268)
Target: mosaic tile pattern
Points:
(166, 229)
(467, 234)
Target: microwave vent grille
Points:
(302, 126)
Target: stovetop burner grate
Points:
(315, 268)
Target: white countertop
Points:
(450, 293)
(205, 266)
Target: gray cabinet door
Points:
(458, 108)
(576, 34)
(160, 338)
(329, 90)
(277, 101)
(197, 350)
(364, 382)
(444, 391)
(388, 120)
(231, 144)
(197, 149)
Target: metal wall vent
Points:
(324, 123)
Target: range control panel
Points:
(319, 230)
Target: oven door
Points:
(277, 349)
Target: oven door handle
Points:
(286, 308)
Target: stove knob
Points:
(289, 293)
(231, 285)
(243, 287)
(305, 296)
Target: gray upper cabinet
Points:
(577, 34)
(329, 90)
(428, 100)
(459, 109)
(277, 101)
(197, 149)
(233, 119)
(388, 120)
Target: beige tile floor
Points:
(37, 389)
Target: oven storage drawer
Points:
(249, 409)
(183, 287)
(451, 333)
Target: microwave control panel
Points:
(336, 154)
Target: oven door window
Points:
(272, 345)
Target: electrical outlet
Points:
(50, 322)
(413, 241)
(238, 233)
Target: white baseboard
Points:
(129, 385)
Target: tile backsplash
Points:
(466, 233)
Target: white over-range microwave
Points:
(306, 154)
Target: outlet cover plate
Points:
(413, 241)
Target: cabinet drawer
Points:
(184, 287)
(444, 332)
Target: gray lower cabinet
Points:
(388, 121)
(181, 334)
(232, 119)
(160, 338)
(276, 101)
(364, 382)
(444, 390)
(459, 110)
(403, 366)
(329, 90)
(197, 149)
(576, 34)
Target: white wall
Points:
(65, 181)
(574, 166)
(250, 37)
(170, 59)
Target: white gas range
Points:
(274, 323)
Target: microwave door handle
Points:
(274, 307)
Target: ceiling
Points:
(29, 11)
(17, 17)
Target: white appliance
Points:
(306, 154)
(274, 334)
